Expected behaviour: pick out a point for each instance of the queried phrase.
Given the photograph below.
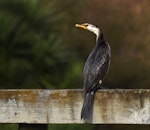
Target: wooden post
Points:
(34, 106)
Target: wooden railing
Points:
(35, 108)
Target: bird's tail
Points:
(87, 109)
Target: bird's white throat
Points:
(95, 30)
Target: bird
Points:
(95, 70)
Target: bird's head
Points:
(90, 27)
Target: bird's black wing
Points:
(96, 66)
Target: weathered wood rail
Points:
(35, 106)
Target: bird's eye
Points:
(86, 24)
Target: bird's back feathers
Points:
(96, 66)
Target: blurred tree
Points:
(32, 54)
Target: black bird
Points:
(95, 69)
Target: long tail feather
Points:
(87, 109)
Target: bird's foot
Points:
(101, 87)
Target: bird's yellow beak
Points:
(81, 26)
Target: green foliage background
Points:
(33, 54)
(41, 48)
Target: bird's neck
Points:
(99, 38)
